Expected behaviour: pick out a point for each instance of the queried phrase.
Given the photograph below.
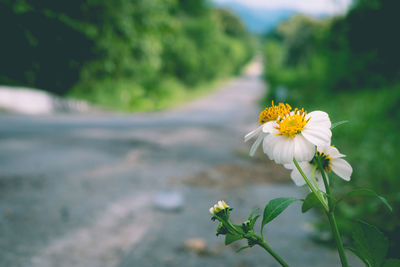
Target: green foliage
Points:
(129, 55)
(365, 192)
(392, 263)
(275, 207)
(370, 244)
(320, 65)
(230, 238)
(310, 202)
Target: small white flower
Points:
(331, 160)
(221, 205)
(267, 116)
(295, 135)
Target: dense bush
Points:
(349, 67)
(119, 53)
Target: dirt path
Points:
(82, 190)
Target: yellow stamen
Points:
(291, 125)
(274, 112)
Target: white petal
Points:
(317, 135)
(257, 144)
(319, 117)
(289, 166)
(269, 143)
(297, 177)
(303, 150)
(331, 151)
(288, 151)
(253, 133)
(278, 150)
(320, 181)
(269, 127)
(342, 168)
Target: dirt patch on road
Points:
(230, 175)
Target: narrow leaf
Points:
(276, 207)
(253, 221)
(370, 244)
(334, 125)
(392, 263)
(242, 248)
(309, 202)
(252, 213)
(230, 238)
(366, 192)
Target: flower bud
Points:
(220, 206)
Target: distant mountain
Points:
(260, 20)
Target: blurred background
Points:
(121, 123)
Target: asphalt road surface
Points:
(134, 190)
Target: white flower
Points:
(331, 160)
(267, 116)
(295, 135)
(221, 205)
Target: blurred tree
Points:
(84, 44)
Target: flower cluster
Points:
(293, 134)
(300, 141)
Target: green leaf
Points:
(242, 248)
(309, 202)
(276, 207)
(355, 252)
(392, 263)
(370, 244)
(334, 125)
(366, 192)
(252, 214)
(230, 238)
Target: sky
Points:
(303, 6)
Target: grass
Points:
(126, 95)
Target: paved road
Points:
(80, 190)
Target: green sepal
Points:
(230, 238)
(365, 192)
(275, 207)
(370, 244)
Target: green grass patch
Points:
(126, 95)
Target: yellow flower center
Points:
(292, 124)
(272, 113)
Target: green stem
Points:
(332, 220)
(321, 200)
(264, 245)
(338, 239)
(325, 179)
